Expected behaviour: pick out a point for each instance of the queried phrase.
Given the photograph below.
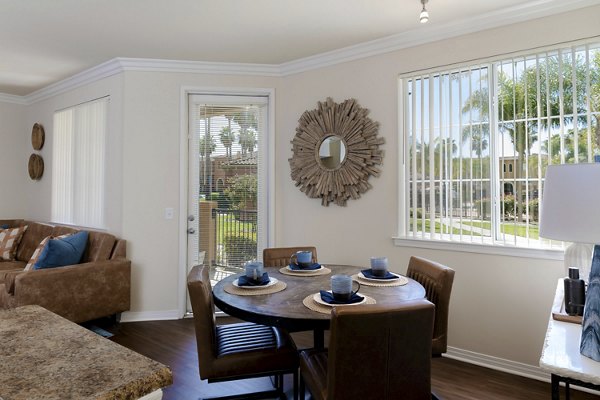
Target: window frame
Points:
(493, 64)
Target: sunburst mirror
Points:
(335, 151)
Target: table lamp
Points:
(571, 212)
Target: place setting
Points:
(340, 295)
(254, 282)
(301, 264)
(379, 275)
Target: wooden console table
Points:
(561, 357)
(44, 356)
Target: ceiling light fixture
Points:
(424, 17)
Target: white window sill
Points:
(480, 248)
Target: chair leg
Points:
(295, 385)
(302, 388)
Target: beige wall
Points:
(499, 305)
(39, 194)
(15, 149)
(151, 148)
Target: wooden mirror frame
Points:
(349, 121)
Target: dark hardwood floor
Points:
(173, 343)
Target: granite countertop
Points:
(44, 356)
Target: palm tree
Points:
(248, 141)
(227, 138)
(206, 147)
(248, 123)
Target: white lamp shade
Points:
(571, 203)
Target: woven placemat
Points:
(322, 271)
(396, 282)
(310, 303)
(277, 287)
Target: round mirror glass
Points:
(332, 152)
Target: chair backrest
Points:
(437, 280)
(381, 352)
(198, 283)
(280, 256)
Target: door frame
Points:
(267, 146)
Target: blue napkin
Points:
(311, 267)
(327, 297)
(369, 274)
(245, 281)
(4, 226)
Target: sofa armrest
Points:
(79, 292)
(9, 281)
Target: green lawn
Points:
(438, 228)
(229, 225)
(509, 228)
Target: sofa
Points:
(98, 286)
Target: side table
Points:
(561, 357)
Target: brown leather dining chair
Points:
(241, 350)
(437, 280)
(375, 352)
(280, 256)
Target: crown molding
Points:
(432, 33)
(415, 37)
(86, 77)
(13, 99)
(198, 67)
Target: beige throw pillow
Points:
(9, 242)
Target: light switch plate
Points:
(169, 212)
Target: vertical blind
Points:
(227, 172)
(479, 139)
(78, 164)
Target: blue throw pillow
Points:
(61, 252)
(4, 226)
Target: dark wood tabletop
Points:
(284, 309)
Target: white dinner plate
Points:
(302, 271)
(318, 299)
(272, 281)
(361, 276)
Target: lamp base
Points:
(590, 337)
(579, 255)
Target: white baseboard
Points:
(139, 316)
(508, 366)
(499, 364)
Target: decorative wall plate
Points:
(36, 167)
(335, 151)
(38, 136)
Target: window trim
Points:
(495, 247)
(479, 248)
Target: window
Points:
(478, 140)
(78, 164)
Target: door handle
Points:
(191, 231)
(191, 217)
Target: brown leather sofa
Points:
(99, 286)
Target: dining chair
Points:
(280, 256)
(240, 350)
(437, 280)
(375, 352)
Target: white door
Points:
(228, 181)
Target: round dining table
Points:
(286, 310)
